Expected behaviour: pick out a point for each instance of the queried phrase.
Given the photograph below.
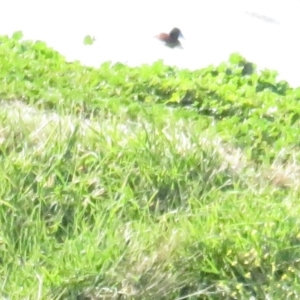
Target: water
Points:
(261, 30)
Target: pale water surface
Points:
(264, 31)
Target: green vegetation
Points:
(146, 183)
(89, 40)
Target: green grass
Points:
(146, 183)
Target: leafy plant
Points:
(150, 182)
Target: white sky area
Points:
(263, 31)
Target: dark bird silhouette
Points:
(171, 39)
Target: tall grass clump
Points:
(146, 183)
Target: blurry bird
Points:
(171, 39)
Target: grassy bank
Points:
(148, 182)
